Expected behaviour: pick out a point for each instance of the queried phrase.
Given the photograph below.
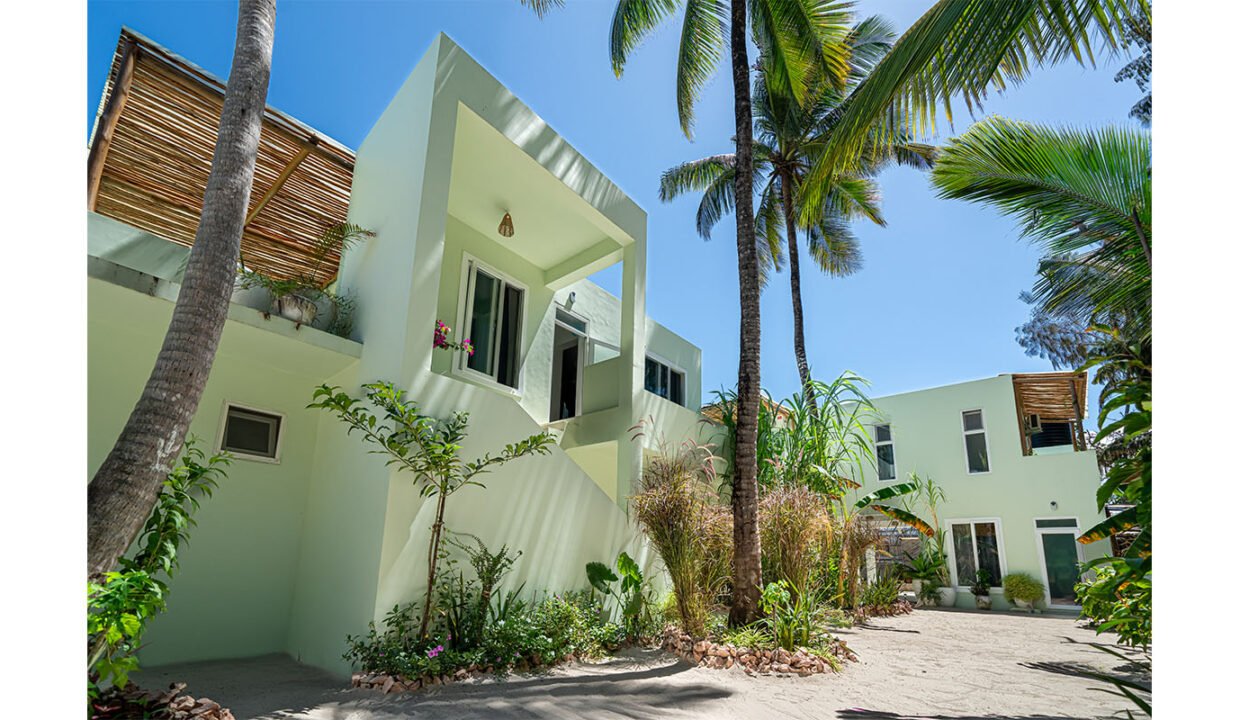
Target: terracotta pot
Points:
(296, 308)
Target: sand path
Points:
(932, 665)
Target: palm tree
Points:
(789, 137)
(124, 489)
(1083, 195)
(965, 48)
(805, 37)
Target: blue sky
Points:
(936, 302)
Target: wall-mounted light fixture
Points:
(1054, 505)
(505, 226)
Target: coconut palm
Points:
(964, 49)
(125, 488)
(1083, 196)
(805, 38)
(788, 138)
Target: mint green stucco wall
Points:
(926, 427)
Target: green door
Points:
(1059, 551)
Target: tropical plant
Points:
(965, 49)
(1138, 31)
(308, 287)
(981, 583)
(882, 592)
(425, 446)
(875, 501)
(120, 603)
(1022, 586)
(127, 484)
(489, 569)
(788, 136)
(673, 506)
(1084, 196)
(789, 615)
(807, 37)
(1122, 607)
(632, 596)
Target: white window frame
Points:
(951, 550)
(465, 305)
(1038, 532)
(964, 442)
(895, 468)
(241, 454)
(672, 367)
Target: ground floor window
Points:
(975, 545)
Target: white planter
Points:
(947, 597)
(296, 308)
(983, 601)
(916, 587)
(1024, 604)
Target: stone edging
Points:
(900, 607)
(705, 653)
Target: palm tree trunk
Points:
(794, 278)
(123, 491)
(747, 551)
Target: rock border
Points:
(717, 656)
(900, 607)
(400, 683)
(170, 704)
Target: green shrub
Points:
(790, 615)
(1112, 602)
(880, 593)
(121, 603)
(1022, 586)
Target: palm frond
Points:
(703, 36)
(965, 48)
(542, 7)
(834, 248)
(631, 23)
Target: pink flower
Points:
(468, 347)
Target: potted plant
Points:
(1023, 590)
(924, 570)
(930, 592)
(981, 589)
(297, 298)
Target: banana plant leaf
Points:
(905, 517)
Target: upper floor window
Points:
(885, 452)
(664, 381)
(494, 309)
(976, 450)
(251, 433)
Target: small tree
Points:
(428, 447)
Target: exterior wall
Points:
(234, 592)
(295, 556)
(927, 430)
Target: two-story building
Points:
(310, 537)
(1019, 479)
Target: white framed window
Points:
(492, 320)
(251, 433)
(664, 380)
(976, 544)
(976, 446)
(884, 453)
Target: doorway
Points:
(1060, 555)
(567, 365)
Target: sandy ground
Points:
(931, 665)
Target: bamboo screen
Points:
(151, 154)
(1050, 395)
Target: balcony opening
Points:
(1051, 409)
(567, 360)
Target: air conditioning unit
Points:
(1034, 423)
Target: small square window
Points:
(973, 420)
(252, 433)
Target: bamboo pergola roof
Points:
(1054, 396)
(150, 155)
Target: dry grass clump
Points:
(795, 524)
(675, 507)
(849, 537)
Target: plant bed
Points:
(400, 683)
(134, 702)
(753, 660)
(900, 607)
